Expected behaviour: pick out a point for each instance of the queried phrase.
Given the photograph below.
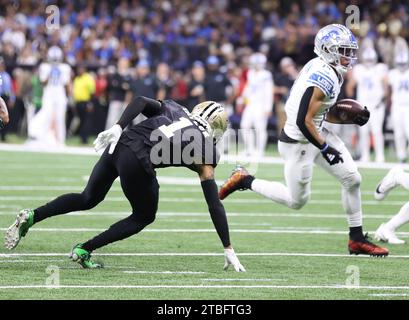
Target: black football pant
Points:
(140, 188)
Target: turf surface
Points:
(288, 254)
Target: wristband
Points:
(324, 147)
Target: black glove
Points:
(362, 118)
(2, 125)
(331, 155)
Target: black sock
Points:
(356, 233)
(247, 181)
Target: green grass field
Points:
(288, 254)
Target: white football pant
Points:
(373, 126)
(48, 125)
(402, 217)
(298, 170)
(254, 131)
(400, 120)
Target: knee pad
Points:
(352, 180)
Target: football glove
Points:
(110, 136)
(331, 155)
(362, 118)
(230, 258)
(2, 125)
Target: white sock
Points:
(351, 201)
(400, 219)
(275, 191)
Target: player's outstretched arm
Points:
(218, 215)
(140, 104)
(4, 115)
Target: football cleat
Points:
(387, 183)
(83, 257)
(234, 182)
(366, 247)
(24, 220)
(387, 235)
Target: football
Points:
(348, 111)
(4, 117)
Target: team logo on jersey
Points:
(324, 83)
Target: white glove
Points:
(110, 136)
(230, 258)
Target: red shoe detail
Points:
(233, 183)
(366, 247)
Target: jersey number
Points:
(169, 130)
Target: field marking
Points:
(167, 190)
(241, 279)
(206, 214)
(231, 200)
(200, 286)
(389, 294)
(225, 159)
(164, 272)
(203, 254)
(294, 230)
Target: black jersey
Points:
(170, 139)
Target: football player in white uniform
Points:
(370, 80)
(258, 100)
(48, 125)
(304, 142)
(386, 231)
(398, 80)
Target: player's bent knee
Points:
(299, 203)
(90, 201)
(352, 180)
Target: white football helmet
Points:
(369, 56)
(334, 42)
(212, 117)
(257, 61)
(54, 54)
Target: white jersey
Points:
(370, 89)
(316, 73)
(57, 75)
(399, 81)
(258, 92)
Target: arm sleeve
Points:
(217, 212)
(149, 108)
(302, 112)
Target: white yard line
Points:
(294, 230)
(164, 272)
(233, 159)
(337, 287)
(206, 214)
(389, 294)
(240, 279)
(167, 189)
(231, 200)
(201, 254)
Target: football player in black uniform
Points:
(170, 136)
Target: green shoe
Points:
(24, 220)
(83, 257)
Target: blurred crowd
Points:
(188, 51)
